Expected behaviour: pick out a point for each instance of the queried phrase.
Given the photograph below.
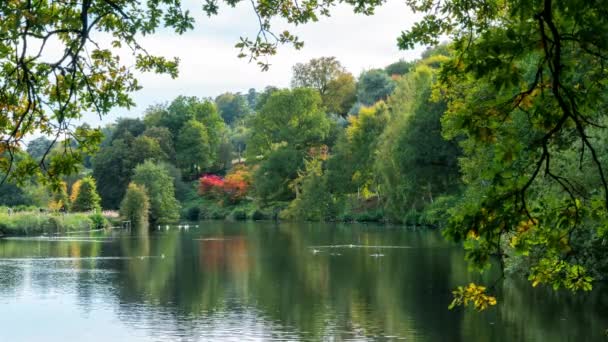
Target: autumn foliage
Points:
(233, 187)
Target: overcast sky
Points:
(209, 64)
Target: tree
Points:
(39, 147)
(399, 68)
(252, 98)
(164, 208)
(522, 95)
(127, 128)
(289, 123)
(313, 199)
(273, 177)
(374, 85)
(232, 107)
(292, 117)
(84, 195)
(194, 152)
(417, 165)
(164, 138)
(336, 86)
(316, 74)
(341, 94)
(135, 206)
(351, 166)
(113, 166)
(59, 198)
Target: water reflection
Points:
(269, 282)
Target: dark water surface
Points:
(262, 281)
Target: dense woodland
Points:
(497, 137)
(333, 147)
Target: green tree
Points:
(232, 107)
(316, 73)
(417, 164)
(37, 148)
(336, 86)
(374, 85)
(252, 98)
(164, 138)
(84, 195)
(313, 200)
(351, 167)
(158, 183)
(272, 179)
(126, 128)
(113, 166)
(135, 206)
(399, 68)
(194, 152)
(291, 117)
(341, 94)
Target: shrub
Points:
(233, 188)
(192, 213)
(238, 214)
(98, 221)
(258, 214)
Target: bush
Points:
(192, 213)
(214, 213)
(258, 214)
(98, 221)
(238, 214)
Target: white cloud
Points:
(209, 64)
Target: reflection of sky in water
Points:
(258, 282)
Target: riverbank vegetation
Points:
(32, 222)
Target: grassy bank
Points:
(35, 223)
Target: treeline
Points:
(333, 147)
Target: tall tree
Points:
(194, 152)
(164, 208)
(289, 123)
(37, 148)
(135, 206)
(292, 117)
(417, 164)
(232, 107)
(84, 195)
(341, 94)
(113, 166)
(316, 73)
(374, 85)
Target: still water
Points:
(262, 281)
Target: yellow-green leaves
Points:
(474, 295)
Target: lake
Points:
(227, 281)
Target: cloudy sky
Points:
(209, 64)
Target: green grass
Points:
(36, 223)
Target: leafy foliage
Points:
(374, 85)
(84, 195)
(158, 183)
(135, 206)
